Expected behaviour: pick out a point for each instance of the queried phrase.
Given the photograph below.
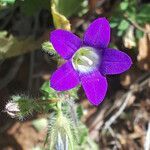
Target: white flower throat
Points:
(85, 59)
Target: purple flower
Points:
(88, 60)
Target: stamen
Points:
(86, 60)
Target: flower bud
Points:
(61, 136)
(12, 109)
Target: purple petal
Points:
(95, 87)
(64, 78)
(98, 34)
(114, 62)
(65, 42)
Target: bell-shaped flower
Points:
(88, 60)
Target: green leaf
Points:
(123, 25)
(123, 5)
(47, 91)
(120, 33)
(139, 34)
(83, 133)
(69, 7)
(113, 24)
(80, 111)
(142, 17)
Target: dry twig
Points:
(137, 86)
(126, 99)
(97, 120)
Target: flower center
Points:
(85, 59)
